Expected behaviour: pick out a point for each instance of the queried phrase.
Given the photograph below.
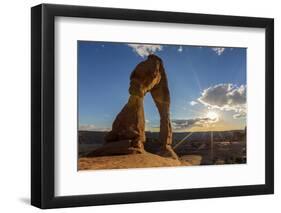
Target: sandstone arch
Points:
(128, 129)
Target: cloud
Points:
(240, 115)
(87, 127)
(218, 50)
(183, 124)
(145, 49)
(91, 127)
(227, 97)
(192, 103)
(180, 49)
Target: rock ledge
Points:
(144, 160)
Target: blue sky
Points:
(207, 85)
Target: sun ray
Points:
(182, 140)
(196, 77)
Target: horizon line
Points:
(173, 132)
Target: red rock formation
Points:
(128, 129)
(143, 160)
(129, 125)
(161, 96)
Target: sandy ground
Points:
(128, 161)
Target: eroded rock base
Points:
(124, 147)
(144, 160)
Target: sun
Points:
(212, 115)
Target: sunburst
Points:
(213, 116)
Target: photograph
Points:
(146, 105)
(171, 105)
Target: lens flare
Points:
(212, 116)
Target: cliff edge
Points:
(143, 160)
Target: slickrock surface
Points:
(144, 160)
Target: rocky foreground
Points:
(144, 160)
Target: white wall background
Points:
(15, 105)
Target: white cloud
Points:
(87, 127)
(227, 97)
(180, 49)
(240, 115)
(145, 49)
(183, 124)
(218, 50)
(91, 127)
(192, 103)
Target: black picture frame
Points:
(43, 114)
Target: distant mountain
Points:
(228, 147)
(91, 137)
(97, 137)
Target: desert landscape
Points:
(229, 147)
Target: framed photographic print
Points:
(139, 106)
